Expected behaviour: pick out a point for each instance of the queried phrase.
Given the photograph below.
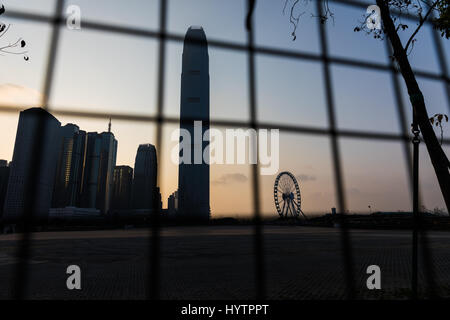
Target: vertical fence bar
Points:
(443, 65)
(28, 218)
(258, 237)
(155, 254)
(345, 237)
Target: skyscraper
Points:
(108, 155)
(145, 175)
(69, 168)
(122, 186)
(193, 178)
(89, 186)
(25, 157)
(100, 160)
(172, 204)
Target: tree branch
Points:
(422, 21)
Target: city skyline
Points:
(375, 172)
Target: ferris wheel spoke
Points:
(296, 211)
(290, 208)
(287, 209)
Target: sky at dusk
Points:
(107, 72)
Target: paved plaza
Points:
(217, 262)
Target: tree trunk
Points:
(437, 155)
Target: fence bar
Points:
(442, 65)
(345, 237)
(155, 256)
(28, 219)
(258, 237)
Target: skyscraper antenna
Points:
(109, 125)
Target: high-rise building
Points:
(108, 156)
(69, 168)
(89, 185)
(172, 204)
(100, 160)
(193, 175)
(145, 175)
(34, 122)
(122, 186)
(4, 175)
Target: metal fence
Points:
(325, 58)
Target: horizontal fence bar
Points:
(214, 43)
(345, 133)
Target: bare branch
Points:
(294, 18)
(422, 21)
(20, 43)
(5, 31)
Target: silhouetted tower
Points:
(100, 160)
(123, 182)
(25, 157)
(193, 178)
(69, 168)
(144, 181)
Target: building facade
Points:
(122, 187)
(172, 204)
(97, 177)
(145, 176)
(193, 175)
(34, 122)
(69, 169)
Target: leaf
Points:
(2, 10)
(432, 120)
(26, 58)
(440, 117)
(2, 27)
(446, 118)
(22, 43)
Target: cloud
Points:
(231, 178)
(19, 96)
(305, 177)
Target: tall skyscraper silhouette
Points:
(100, 160)
(193, 177)
(108, 156)
(145, 175)
(25, 157)
(69, 168)
(121, 193)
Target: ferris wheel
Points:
(287, 197)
